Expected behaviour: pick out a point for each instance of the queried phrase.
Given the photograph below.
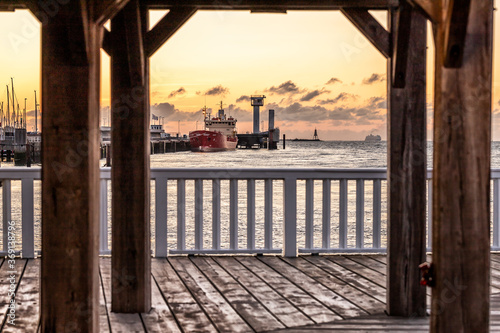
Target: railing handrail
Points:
(16, 173)
(289, 178)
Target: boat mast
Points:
(8, 106)
(24, 114)
(36, 115)
(16, 114)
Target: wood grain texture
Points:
(131, 259)
(461, 178)
(407, 176)
(185, 308)
(334, 301)
(455, 30)
(70, 172)
(254, 312)
(311, 307)
(370, 28)
(224, 317)
(119, 322)
(334, 283)
(278, 305)
(400, 31)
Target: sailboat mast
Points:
(16, 116)
(8, 106)
(36, 115)
(24, 114)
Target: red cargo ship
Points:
(219, 133)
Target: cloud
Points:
(243, 98)
(287, 87)
(374, 79)
(218, 90)
(343, 96)
(298, 112)
(377, 103)
(170, 113)
(312, 94)
(180, 91)
(334, 80)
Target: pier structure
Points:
(73, 34)
(257, 101)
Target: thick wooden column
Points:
(406, 167)
(70, 171)
(461, 178)
(131, 254)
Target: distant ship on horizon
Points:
(373, 138)
(315, 137)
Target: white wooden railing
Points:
(206, 229)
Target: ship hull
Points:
(211, 141)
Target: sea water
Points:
(322, 154)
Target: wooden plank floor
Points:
(244, 294)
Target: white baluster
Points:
(251, 214)
(310, 213)
(161, 211)
(28, 218)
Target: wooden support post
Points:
(70, 171)
(461, 178)
(131, 250)
(407, 176)
(401, 28)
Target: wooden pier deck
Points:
(245, 294)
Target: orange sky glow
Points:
(315, 68)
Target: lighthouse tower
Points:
(257, 102)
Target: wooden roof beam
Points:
(457, 17)
(370, 28)
(106, 9)
(401, 43)
(166, 27)
(259, 5)
(429, 8)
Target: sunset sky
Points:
(315, 68)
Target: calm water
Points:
(325, 154)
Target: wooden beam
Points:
(370, 28)
(166, 27)
(131, 259)
(106, 42)
(70, 172)
(429, 8)
(407, 170)
(106, 9)
(401, 32)
(461, 177)
(263, 4)
(455, 31)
